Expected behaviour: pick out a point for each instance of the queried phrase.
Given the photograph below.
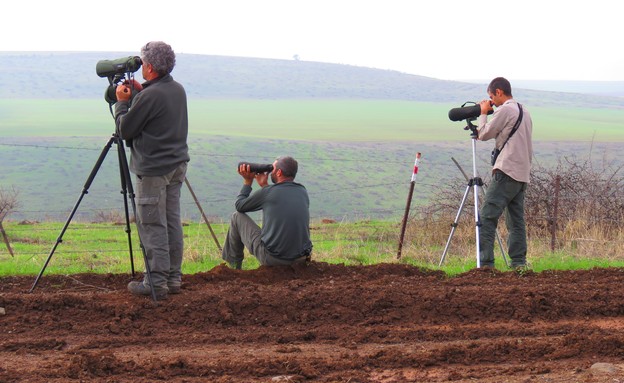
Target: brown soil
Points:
(318, 323)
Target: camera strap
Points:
(515, 127)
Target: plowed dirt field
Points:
(318, 323)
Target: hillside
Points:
(62, 75)
(333, 125)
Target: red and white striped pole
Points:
(407, 206)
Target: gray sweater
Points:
(285, 217)
(155, 126)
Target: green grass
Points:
(55, 118)
(92, 247)
(103, 248)
(315, 120)
(356, 158)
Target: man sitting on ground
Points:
(285, 235)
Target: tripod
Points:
(475, 182)
(126, 190)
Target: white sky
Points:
(445, 39)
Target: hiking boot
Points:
(521, 269)
(238, 265)
(174, 289)
(138, 288)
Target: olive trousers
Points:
(503, 193)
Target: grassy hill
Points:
(62, 75)
(355, 131)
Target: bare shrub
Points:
(111, 216)
(8, 202)
(577, 202)
(575, 192)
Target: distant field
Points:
(317, 120)
(356, 157)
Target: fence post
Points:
(553, 220)
(3, 213)
(6, 240)
(407, 205)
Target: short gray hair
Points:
(288, 165)
(160, 55)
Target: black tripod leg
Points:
(125, 171)
(124, 191)
(85, 190)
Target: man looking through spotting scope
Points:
(285, 235)
(511, 127)
(154, 122)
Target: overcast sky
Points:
(445, 39)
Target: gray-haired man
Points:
(156, 128)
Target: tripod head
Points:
(118, 78)
(472, 127)
(115, 70)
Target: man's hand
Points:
(124, 91)
(486, 106)
(247, 175)
(262, 179)
(134, 84)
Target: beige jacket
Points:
(515, 158)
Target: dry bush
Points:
(427, 234)
(8, 202)
(575, 192)
(112, 216)
(583, 215)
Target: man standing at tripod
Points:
(154, 122)
(511, 127)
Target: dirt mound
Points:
(320, 323)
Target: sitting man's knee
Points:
(235, 216)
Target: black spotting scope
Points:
(257, 168)
(466, 112)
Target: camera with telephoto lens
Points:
(116, 70)
(257, 168)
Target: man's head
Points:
(158, 59)
(499, 90)
(284, 169)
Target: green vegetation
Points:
(383, 121)
(103, 248)
(355, 156)
(302, 120)
(355, 132)
(42, 120)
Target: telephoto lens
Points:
(257, 168)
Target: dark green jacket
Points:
(285, 217)
(156, 127)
